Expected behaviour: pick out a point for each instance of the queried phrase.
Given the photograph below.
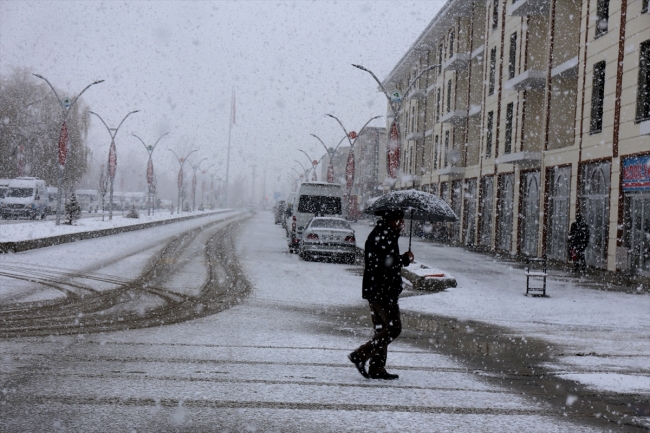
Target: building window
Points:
(512, 58)
(602, 17)
(597, 98)
(438, 106)
(643, 91)
(493, 66)
(435, 153)
(488, 136)
(509, 116)
(446, 146)
(451, 44)
(440, 54)
(495, 14)
(448, 96)
(413, 124)
(644, 6)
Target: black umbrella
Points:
(416, 205)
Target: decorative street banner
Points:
(330, 173)
(150, 171)
(63, 144)
(112, 160)
(392, 158)
(636, 173)
(349, 170)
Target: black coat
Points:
(579, 236)
(382, 279)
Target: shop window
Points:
(493, 67)
(644, 7)
(488, 135)
(509, 119)
(643, 90)
(602, 17)
(597, 98)
(512, 58)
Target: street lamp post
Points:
(203, 172)
(395, 102)
(66, 106)
(150, 176)
(349, 167)
(330, 151)
(194, 168)
(181, 161)
(112, 158)
(314, 163)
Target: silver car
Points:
(328, 237)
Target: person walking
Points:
(381, 287)
(578, 242)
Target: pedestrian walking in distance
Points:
(578, 241)
(382, 285)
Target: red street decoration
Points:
(63, 144)
(349, 170)
(352, 135)
(330, 173)
(180, 178)
(112, 160)
(393, 152)
(150, 172)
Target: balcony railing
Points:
(524, 158)
(456, 116)
(521, 8)
(458, 62)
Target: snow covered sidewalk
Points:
(602, 336)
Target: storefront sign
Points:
(636, 173)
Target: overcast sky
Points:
(178, 62)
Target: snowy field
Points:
(603, 335)
(13, 231)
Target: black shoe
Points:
(361, 366)
(383, 375)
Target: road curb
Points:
(19, 246)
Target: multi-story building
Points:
(534, 111)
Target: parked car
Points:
(288, 213)
(25, 197)
(278, 211)
(313, 199)
(328, 237)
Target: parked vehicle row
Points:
(313, 222)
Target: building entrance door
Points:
(487, 193)
(640, 233)
(558, 217)
(530, 224)
(506, 211)
(594, 206)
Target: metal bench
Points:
(536, 270)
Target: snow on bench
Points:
(424, 277)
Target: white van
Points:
(88, 199)
(313, 199)
(26, 197)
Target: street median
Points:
(31, 244)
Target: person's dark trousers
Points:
(386, 321)
(579, 263)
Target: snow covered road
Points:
(274, 361)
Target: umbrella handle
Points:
(411, 230)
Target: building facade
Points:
(533, 111)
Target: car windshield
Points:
(319, 205)
(330, 224)
(20, 192)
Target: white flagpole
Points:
(228, 154)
